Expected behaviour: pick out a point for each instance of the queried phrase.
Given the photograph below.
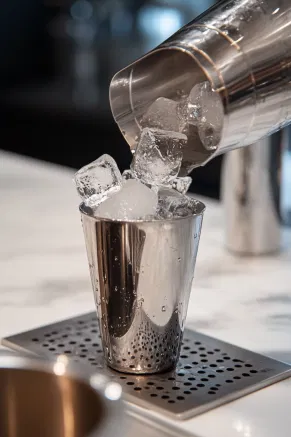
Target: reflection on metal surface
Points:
(141, 275)
(40, 398)
(209, 372)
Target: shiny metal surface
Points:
(243, 48)
(251, 197)
(209, 372)
(141, 275)
(47, 399)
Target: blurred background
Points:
(57, 60)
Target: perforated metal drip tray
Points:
(210, 372)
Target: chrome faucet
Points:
(243, 48)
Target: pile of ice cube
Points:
(151, 189)
(126, 197)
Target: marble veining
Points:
(44, 278)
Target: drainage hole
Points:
(130, 383)
(187, 383)
(253, 371)
(213, 365)
(186, 348)
(211, 376)
(175, 388)
(219, 361)
(203, 355)
(214, 388)
(212, 392)
(82, 356)
(180, 398)
(160, 388)
(246, 374)
(201, 348)
(121, 377)
(154, 395)
(230, 369)
(219, 371)
(201, 372)
(150, 383)
(237, 366)
(171, 401)
(200, 385)
(194, 363)
(236, 377)
(210, 353)
(193, 352)
(193, 388)
(137, 388)
(171, 378)
(187, 392)
(197, 342)
(187, 367)
(216, 350)
(218, 385)
(248, 365)
(204, 379)
(229, 381)
(181, 374)
(165, 397)
(52, 349)
(204, 361)
(235, 360)
(72, 342)
(192, 378)
(184, 356)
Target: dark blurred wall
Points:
(57, 59)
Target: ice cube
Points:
(128, 174)
(163, 114)
(172, 204)
(205, 111)
(208, 135)
(98, 180)
(158, 156)
(134, 201)
(182, 184)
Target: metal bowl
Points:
(44, 399)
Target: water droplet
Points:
(163, 308)
(116, 258)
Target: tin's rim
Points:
(88, 212)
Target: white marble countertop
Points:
(44, 278)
